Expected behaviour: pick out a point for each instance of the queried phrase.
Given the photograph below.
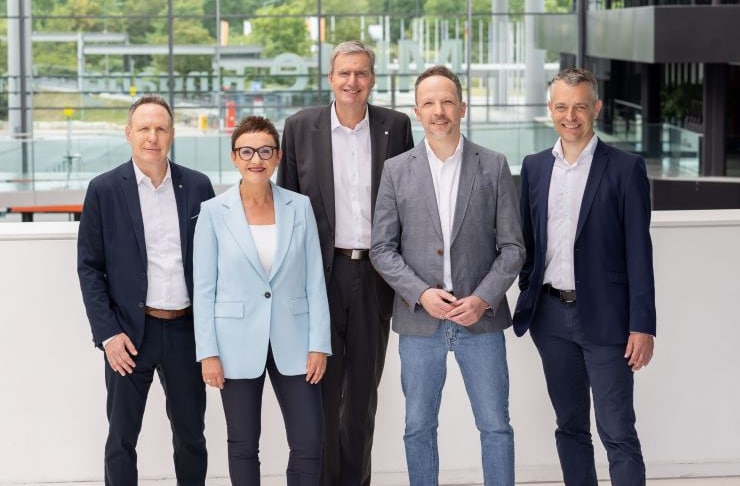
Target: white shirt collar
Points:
(457, 154)
(335, 123)
(140, 176)
(587, 152)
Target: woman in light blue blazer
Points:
(260, 306)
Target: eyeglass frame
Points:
(255, 150)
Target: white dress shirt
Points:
(567, 185)
(166, 287)
(352, 161)
(446, 179)
(265, 239)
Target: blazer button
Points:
(141, 305)
(440, 251)
(268, 295)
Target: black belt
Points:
(353, 254)
(565, 296)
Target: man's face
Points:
(573, 111)
(439, 109)
(150, 134)
(351, 79)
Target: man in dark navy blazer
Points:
(334, 154)
(134, 261)
(587, 287)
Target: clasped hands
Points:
(441, 304)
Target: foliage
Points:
(187, 28)
(676, 100)
(281, 28)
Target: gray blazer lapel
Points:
(320, 143)
(598, 165)
(284, 220)
(468, 171)
(130, 191)
(425, 185)
(236, 223)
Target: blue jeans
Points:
(482, 361)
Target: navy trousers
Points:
(169, 349)
(575, 369)
(300, 403)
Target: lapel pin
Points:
(180, 186)
(386, 132)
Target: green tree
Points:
(281, 28)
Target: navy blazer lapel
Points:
(598, 165)
(320, 143)
(544, 177)
(181, 199)
(130, 190)
(468, 170)
(378, 151)
(425, 184)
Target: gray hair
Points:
(576, 76)
(153, 100)
(353, 47)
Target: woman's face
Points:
(256, 156)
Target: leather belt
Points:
(353, 254)
(168, 315)
(565, 296)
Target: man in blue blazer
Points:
(134, 261)
(587, 286)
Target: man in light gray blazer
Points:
(447, 238)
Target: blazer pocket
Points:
(229, 309)
(299, 306)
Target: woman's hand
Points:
(315, 367)
(213, 373)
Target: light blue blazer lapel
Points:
(598, 166)
(284, 218)
(236, 224)
(468, 170)
(424, 185)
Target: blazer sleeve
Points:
(91, 269)
(287, 175)
(319, 334)
(527, 228)
(639, 251)
(385, 247)
(509, 242)
(205, 273)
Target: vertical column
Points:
(713, 157)
(19, 76)
(650, 101)
(535, 81)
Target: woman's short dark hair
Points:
(254, 124)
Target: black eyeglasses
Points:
(264, 152)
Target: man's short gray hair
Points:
(576, 76)
(353, 47)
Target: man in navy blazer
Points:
(134, 262)
(587, 287)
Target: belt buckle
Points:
(567, 296)
(356, 254)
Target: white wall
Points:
(52, 411)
